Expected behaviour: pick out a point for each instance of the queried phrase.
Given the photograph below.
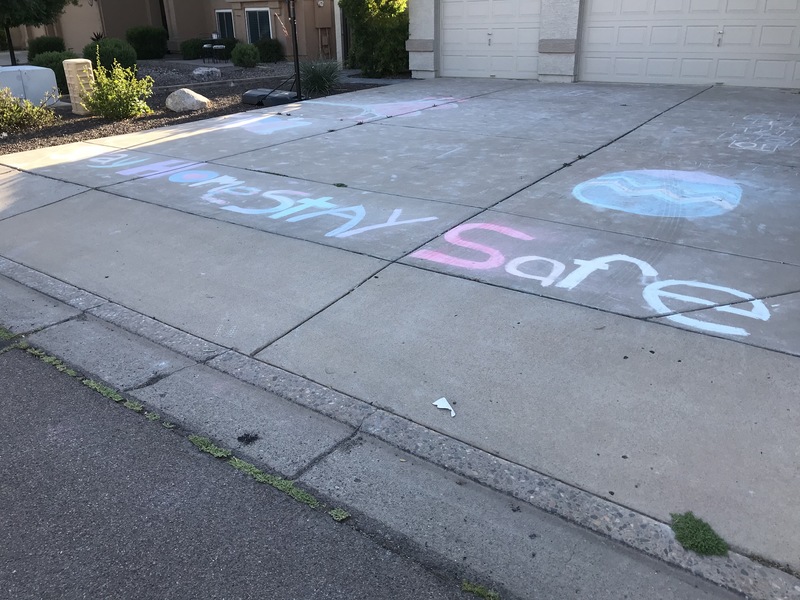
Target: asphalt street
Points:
(99, 502)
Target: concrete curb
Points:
(638, 531)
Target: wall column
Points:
(422, 40)
(558, 40)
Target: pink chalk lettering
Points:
(495, 257)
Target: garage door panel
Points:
(782, 6)
(705, 6)
(489, 38)
(740, 42)
(743, 6)
(669, 7)
(779, 36)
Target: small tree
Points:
(29, 12)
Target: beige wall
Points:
(119, 16)
(77, 25)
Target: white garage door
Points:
(738, 42)
(489, 38)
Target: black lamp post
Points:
(293, 21)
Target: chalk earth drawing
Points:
(409, 108)
(654, 291)
(654, 193)
(764, 133)
(229, 193)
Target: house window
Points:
(258, 24)
(225, 23)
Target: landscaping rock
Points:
(185, 100)
(206, 74)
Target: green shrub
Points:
(117, 94)
(110, 49)
(317, 78)
(192, 49)
(3, 40)
(270, 50)
(46, 43)
(149, 42)
(380, 31)
(245, 55)
(54, 60)
(21, 115)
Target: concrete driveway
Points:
(602, 280)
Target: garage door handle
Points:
(489, 37)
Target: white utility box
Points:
(33, 83)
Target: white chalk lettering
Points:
(160, 169)
(587, 267)
(303, 204)
(654, 293)
(512, 268)
(391, 222)
(353, 214)
(113, 160)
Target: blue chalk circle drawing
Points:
(687, 194)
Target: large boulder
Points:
(185, 100)
(206, 74)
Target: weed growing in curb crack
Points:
(133, 405)
(206, 445)
(279, 483)
(5, 334)
(695, 534)
(103, 390)
(339, 514)
(479, 591)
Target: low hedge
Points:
(149, 42)
(55, 60)
(45, 43)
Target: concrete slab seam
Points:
(330, 403)
(638, 531)
(50, 286)
(149, 328)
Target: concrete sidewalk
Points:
(603, 280)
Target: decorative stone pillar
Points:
(79, 77)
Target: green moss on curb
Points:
(479, 591)
(339, 515)
(206, 445)
(695, 534)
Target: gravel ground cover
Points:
(226, 94)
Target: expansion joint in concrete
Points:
(342, 445)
